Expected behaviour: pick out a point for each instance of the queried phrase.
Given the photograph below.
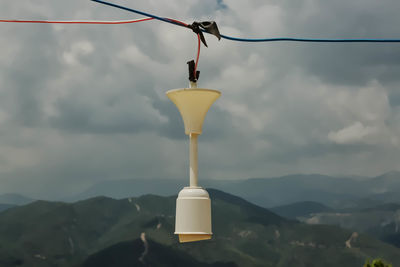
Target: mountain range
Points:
(334, 192)
(138, 231)
(301, 209)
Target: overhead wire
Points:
(150, 16)
(179, 23)
(198, 44)
(172, 21)
(238, 39)
(309, 40)
(168, 20)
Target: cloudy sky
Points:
(85, 103)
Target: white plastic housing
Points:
(193, 215)
(193, 104)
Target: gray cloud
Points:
(79, 104)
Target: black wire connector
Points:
(191, 66)
(207, 26)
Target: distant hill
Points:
(334, 192)
(14, 199)
(382, 221)
(127, 188)
(301, 209)
(338, 193)
(388, 182)
(72, 234)
(4, 207)
(383, 207)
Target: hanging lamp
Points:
(193, 205)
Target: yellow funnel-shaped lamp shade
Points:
(193, 105)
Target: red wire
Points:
(76, 22)
(198, 49)
(180, 22)
(108, 22)
(198, 55)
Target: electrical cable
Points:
(179, 23)
(283, 39)
(198, 55)
(198, 31)
(198, 45)
(77, 21)
(172, 21)
(150, 17)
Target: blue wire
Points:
(138, 12)
(283, 39)
(258, 40)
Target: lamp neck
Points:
(192, 85)
(194, 169)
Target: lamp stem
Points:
(194, 169)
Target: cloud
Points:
(79, 104)
(352, 134)
(78, 49)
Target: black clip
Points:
(191, 66)
(211, 27)
(207, 26)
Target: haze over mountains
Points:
(338, 193)
(301, 209)
(268, 192)
(4, 207)
(14, 199)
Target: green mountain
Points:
(150, 253)
(382, 221)
(393, 238)
(74, 234)
(300, 209)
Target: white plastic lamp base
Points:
(193, 215)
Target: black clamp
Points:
(207, 26)
(191, 66)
